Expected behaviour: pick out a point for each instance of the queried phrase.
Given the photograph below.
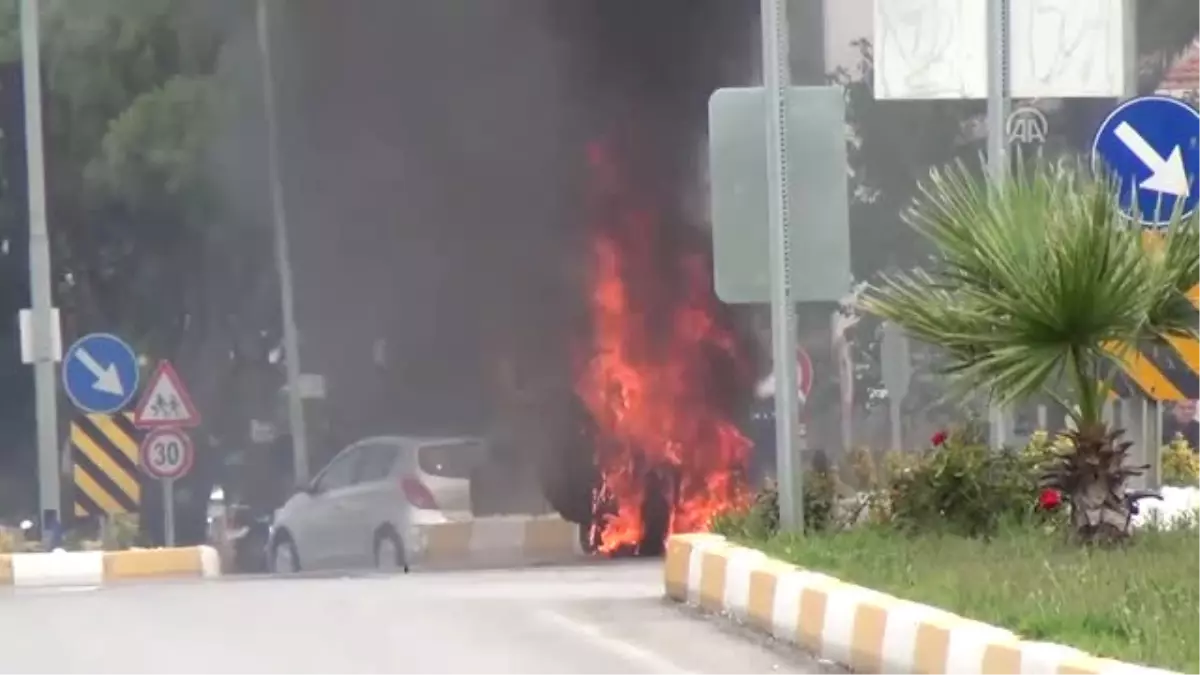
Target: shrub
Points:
(963, 487)
(869, 475)
(1042, 450)
(761, 518)
(821, 492)
(859, 469)
(958, 486)
(123, 532)
(1180, 464)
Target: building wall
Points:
(846, 21)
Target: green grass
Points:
(1138, 604)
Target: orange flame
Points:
(651, 382)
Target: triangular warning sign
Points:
(165, 402)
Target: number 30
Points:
(167, 453)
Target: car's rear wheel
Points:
(389, 552)
(285, 559)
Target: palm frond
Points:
(1033, 277)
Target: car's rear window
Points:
(450, 460)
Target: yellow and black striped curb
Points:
(104, 460)
(94, 568)
(548, 537)
(865, 630)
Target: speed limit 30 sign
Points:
(166, 454)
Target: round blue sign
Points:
(100, 373)
(1150, 146)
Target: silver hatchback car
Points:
(366, 507)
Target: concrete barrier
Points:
(93, 568)
(529, 538)
(865, 630)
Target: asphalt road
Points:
(603, 618)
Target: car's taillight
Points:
(417, 494)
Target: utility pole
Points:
(291, 338)
(40, 282)
(776, 39)
(998, 105)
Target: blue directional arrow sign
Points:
(100, 373)
(1150, 145)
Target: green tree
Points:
(1032, 284)
(134, 106)
(137, 105)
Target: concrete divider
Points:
(868, 631)
(531, 538)
(93, 568)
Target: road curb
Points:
(92, 568)
(868, 631)
(531, 537)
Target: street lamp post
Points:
(291, 339)
(40, 282)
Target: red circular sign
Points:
(166, 454)
(804, 373)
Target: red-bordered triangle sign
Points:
(165, 401)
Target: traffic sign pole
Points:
(167, 454)
(997, 89)
(45, 389)
(789, 446)
(168, 497)
(998, 104)
(897, 371)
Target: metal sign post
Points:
(788, 443)
(167, 454)
(897, 371)
(168, 496)
(998, 105)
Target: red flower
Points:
(1050, 499)
(939, 438)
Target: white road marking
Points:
(52, 590)
(649, 660)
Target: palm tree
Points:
(1035, 283)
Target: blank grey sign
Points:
(817, 194)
